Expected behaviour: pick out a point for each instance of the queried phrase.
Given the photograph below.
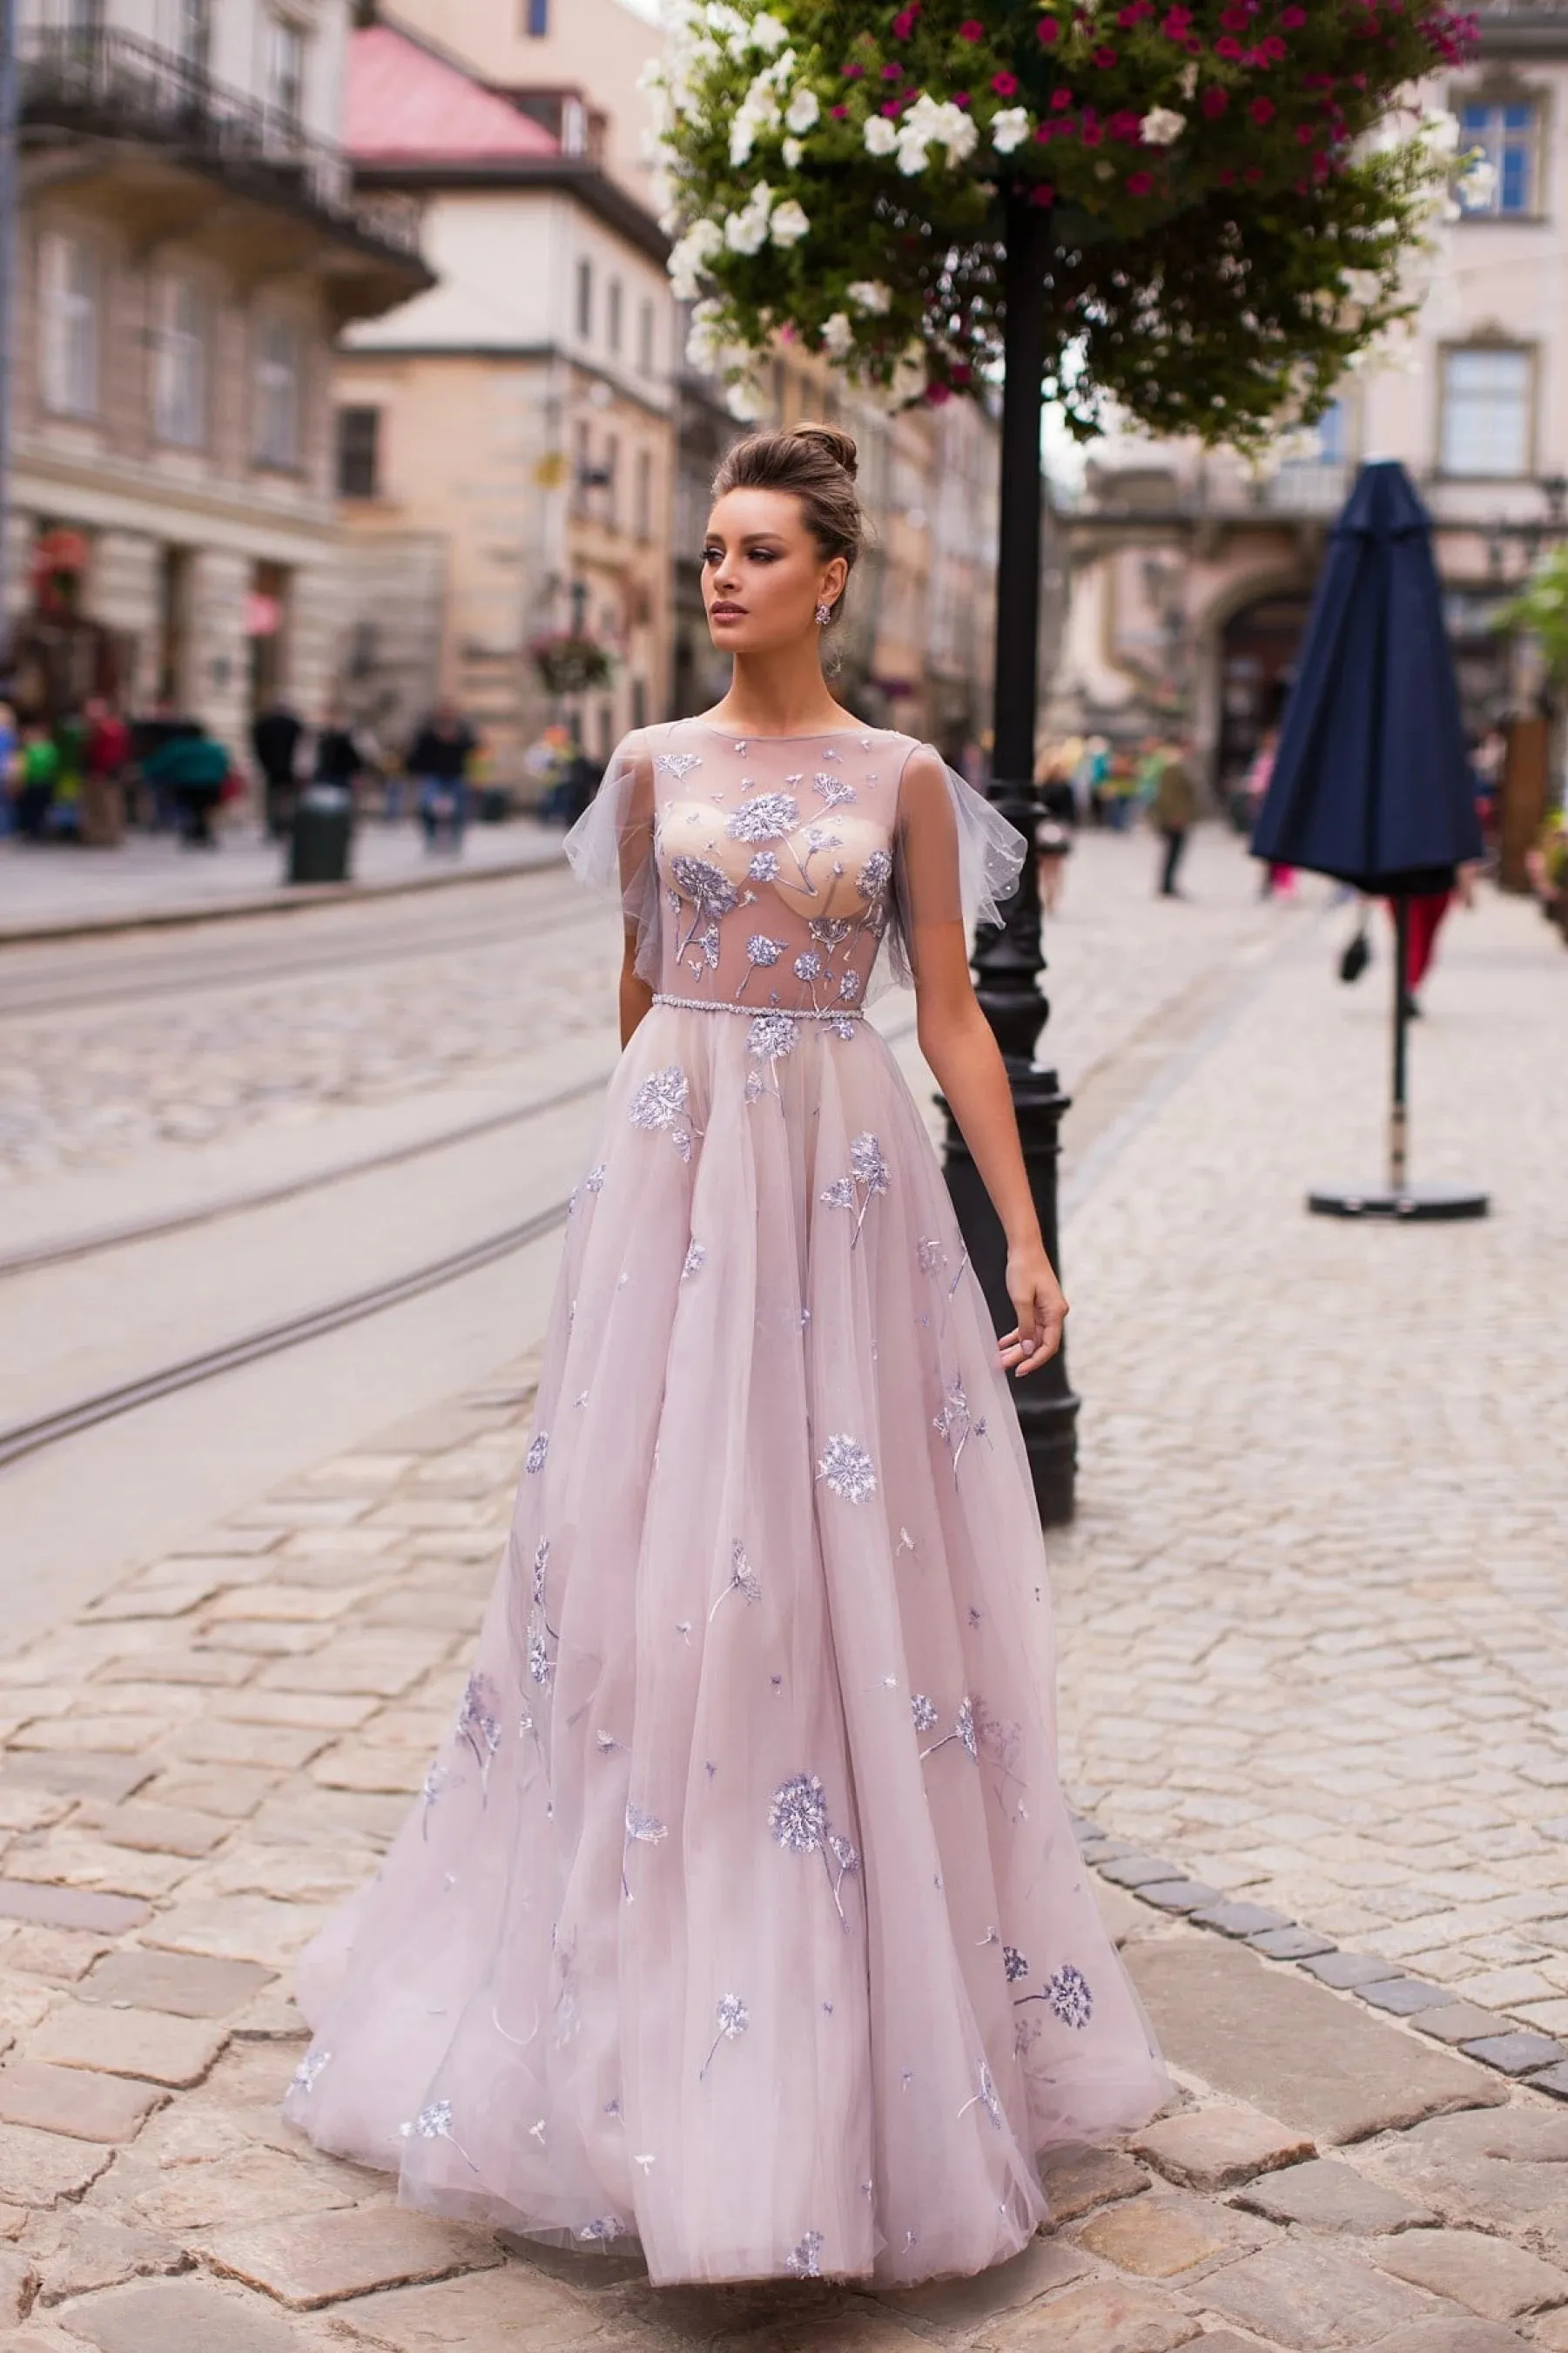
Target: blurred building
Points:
(505, 440)
(190, 244)
(1191, 577)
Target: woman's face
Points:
(763, 574)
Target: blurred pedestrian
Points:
(103, 781)
(194, 768)
(38, 770)
(340, 757)
(1279, 881)
(438, 763)
(65, 809)
(1429, 911)
(10, 744)
(275, 739)
(1174, 807)
(1053, 829)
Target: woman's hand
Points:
(1037, 1296)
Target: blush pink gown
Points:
(739, 1916)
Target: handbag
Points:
(1356, 954)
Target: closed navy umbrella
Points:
(1370, 782)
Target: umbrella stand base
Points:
(1412, 1205)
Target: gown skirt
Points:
(740, 1917)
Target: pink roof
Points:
(405, 106)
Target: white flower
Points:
(1363, 286)
(744, 399)
(805, 109)
(1161, 125)
(767, 33)
(1187, 81)
(881, 135)
(792, 151)
(869, 293)
(1009, 129)
(928, 124)
(1440, 130)
(705, 343)
(688, 256)
(1477, 184)
(746, 231)
(837, 336)
(789, 223)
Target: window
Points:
(582, 462)
(179, 362)
(1487, 418)
(586, 300)
(192, 32)
(359, 453)
(1334, 434)
(613, 320)
(645, 339)
(613, 483)
(536, 19)
(68, 286)
(644, 523)
(1510, 137)
(286, 68)
(276, 439)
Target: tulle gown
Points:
(740, 1917)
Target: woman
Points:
(741, 1914)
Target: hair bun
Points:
(839, 446)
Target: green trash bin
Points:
(323, 832)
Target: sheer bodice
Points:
(766, 873)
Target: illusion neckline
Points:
(810, 735)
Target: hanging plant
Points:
(568, 664)
(1234, 189)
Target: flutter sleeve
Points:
(955, 859)
(611, 849)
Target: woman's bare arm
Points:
(957, 1041)
(636, 996)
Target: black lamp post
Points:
(1008, 959)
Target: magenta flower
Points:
(1261, 110)
(972, 29)
(1049, 31)
(1060, 101)
(1227, 46)
(853, 73)
(838, 112)
(891, 106)
(1215, 103)
(1004, 84)
(1235, 19)
(1138, 184)
(1104, 60)
(892, 73)
(1042, 193)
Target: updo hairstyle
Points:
(815, 464)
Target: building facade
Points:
(190, 246)
(505, 440)
(1191, 576)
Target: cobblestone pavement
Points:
(1314, 1621)
(220, 1748)
(88, 1087)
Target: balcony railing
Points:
(98, 81)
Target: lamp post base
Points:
(1046, 1406)
(1410, 1205)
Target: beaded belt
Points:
(790, 1012)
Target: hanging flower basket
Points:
(567, 664)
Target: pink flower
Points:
(1228, 46)
(1261, 110)
(1060, 101)
(838, 112)
(961, 373)
(1305, 134)
(961, 98)
(1273, 48)
(1104, 60)
(1138, 184)
(853, 73)
(892, 73)
(1042, 193)
(1046, 133)
(938, 395)
(903, 26)
(1175, 23)
(1123, 126)
(1292, 19)
(1089, 130)
(972, 29)
(1213, 103)
(891, 106)
(1047, 30)
(1235, 19)
(1004, 84)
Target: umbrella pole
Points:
(1398, 1126)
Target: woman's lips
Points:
(729, 612)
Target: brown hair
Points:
(815, 463)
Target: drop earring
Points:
(824, 615)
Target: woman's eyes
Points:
(711, 555)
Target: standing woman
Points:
(739, 1915)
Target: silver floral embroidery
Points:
(310, 2067)
(541, 1564)
(761, 951)
(804, 2259)
(743, 1580)
(798, 1817)
(695, 1260)
(869, 1171)
(831, 932)
(601, 2230)
(659, 1105)
(954, 1425)
(434, 2122)
(734, 2020)
(764, 866)
(845, 1469)
(1069, 1996)
(593, 1182)
(643, 1829)
(754, 1086)
(1014, 1962)
(704, 955)
(430, 1788)
(479, 1723)
(924, 1711)
(772, 1035)
(836, 791)
(540, 1665)
(767, 816)
(705, 885)
(675, 763)
(849, 987)
(985, 2097)
(965, 1731)
(873, 877)
(844, 1026)
(538, 1454)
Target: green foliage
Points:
(1231, 210)
(1541, 607)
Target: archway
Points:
(1258, 647)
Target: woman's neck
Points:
(779, 693)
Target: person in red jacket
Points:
(103, 780)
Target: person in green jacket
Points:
(194, 767)
(1174, 807)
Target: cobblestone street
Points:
(1314, 1702)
